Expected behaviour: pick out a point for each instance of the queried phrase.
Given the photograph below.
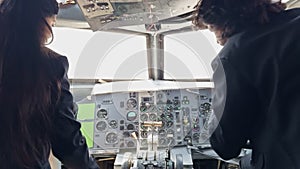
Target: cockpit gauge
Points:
(102, 114)
(169, 124)
(144, 117)
(130, 144)
(162, 133)
(171, 141)
(131, 116)
(130, 127)
(126, 134)
(111, 138)
(113, 124)
(144, 134)
(153, 117)
(162, 141)
(131, 104)
(101, 126)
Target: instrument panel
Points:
(127, 120)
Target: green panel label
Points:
(86, 111)
(86, 117)
(87, 129)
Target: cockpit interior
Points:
(142, 82)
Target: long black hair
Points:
(233, 16)
(26, 84)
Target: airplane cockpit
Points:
(141, 77)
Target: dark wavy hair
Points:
(232, 16)
(26, 84)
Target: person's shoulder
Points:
(59, 63)
(52, 55)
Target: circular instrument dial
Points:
(131, 103)
(130, 127)
(131, 116)
(130, 144)
(111, 138)
(144, 134)
(162, 133)
(144, 117)
(113, 124)
(162, 141)
(101, 126)
(153, 117)
(102, 113)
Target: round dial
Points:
(162, 133)
(131, 103)
(101, 125)
(169, 124)
(144, 134)
(131, 116)
(113, 124)
(144, 117)
(102, 113)
(171, 141)
(162, 141)
(130, 127)
(130, 144)
(126, 134)
(153, 117)
(169, 116)
(111, 138)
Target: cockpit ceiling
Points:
(133, 15)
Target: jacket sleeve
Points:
(68, 144)
(233, 105)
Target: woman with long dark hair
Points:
(257, 81)
(36, 106)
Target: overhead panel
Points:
(106, 14)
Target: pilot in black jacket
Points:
(257, 80)
(36, 106)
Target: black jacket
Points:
(260, 93)
(67, 142)
(65, 138)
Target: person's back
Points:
(267, 58)
(36, 106)
(279, 137)
(256, 75)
